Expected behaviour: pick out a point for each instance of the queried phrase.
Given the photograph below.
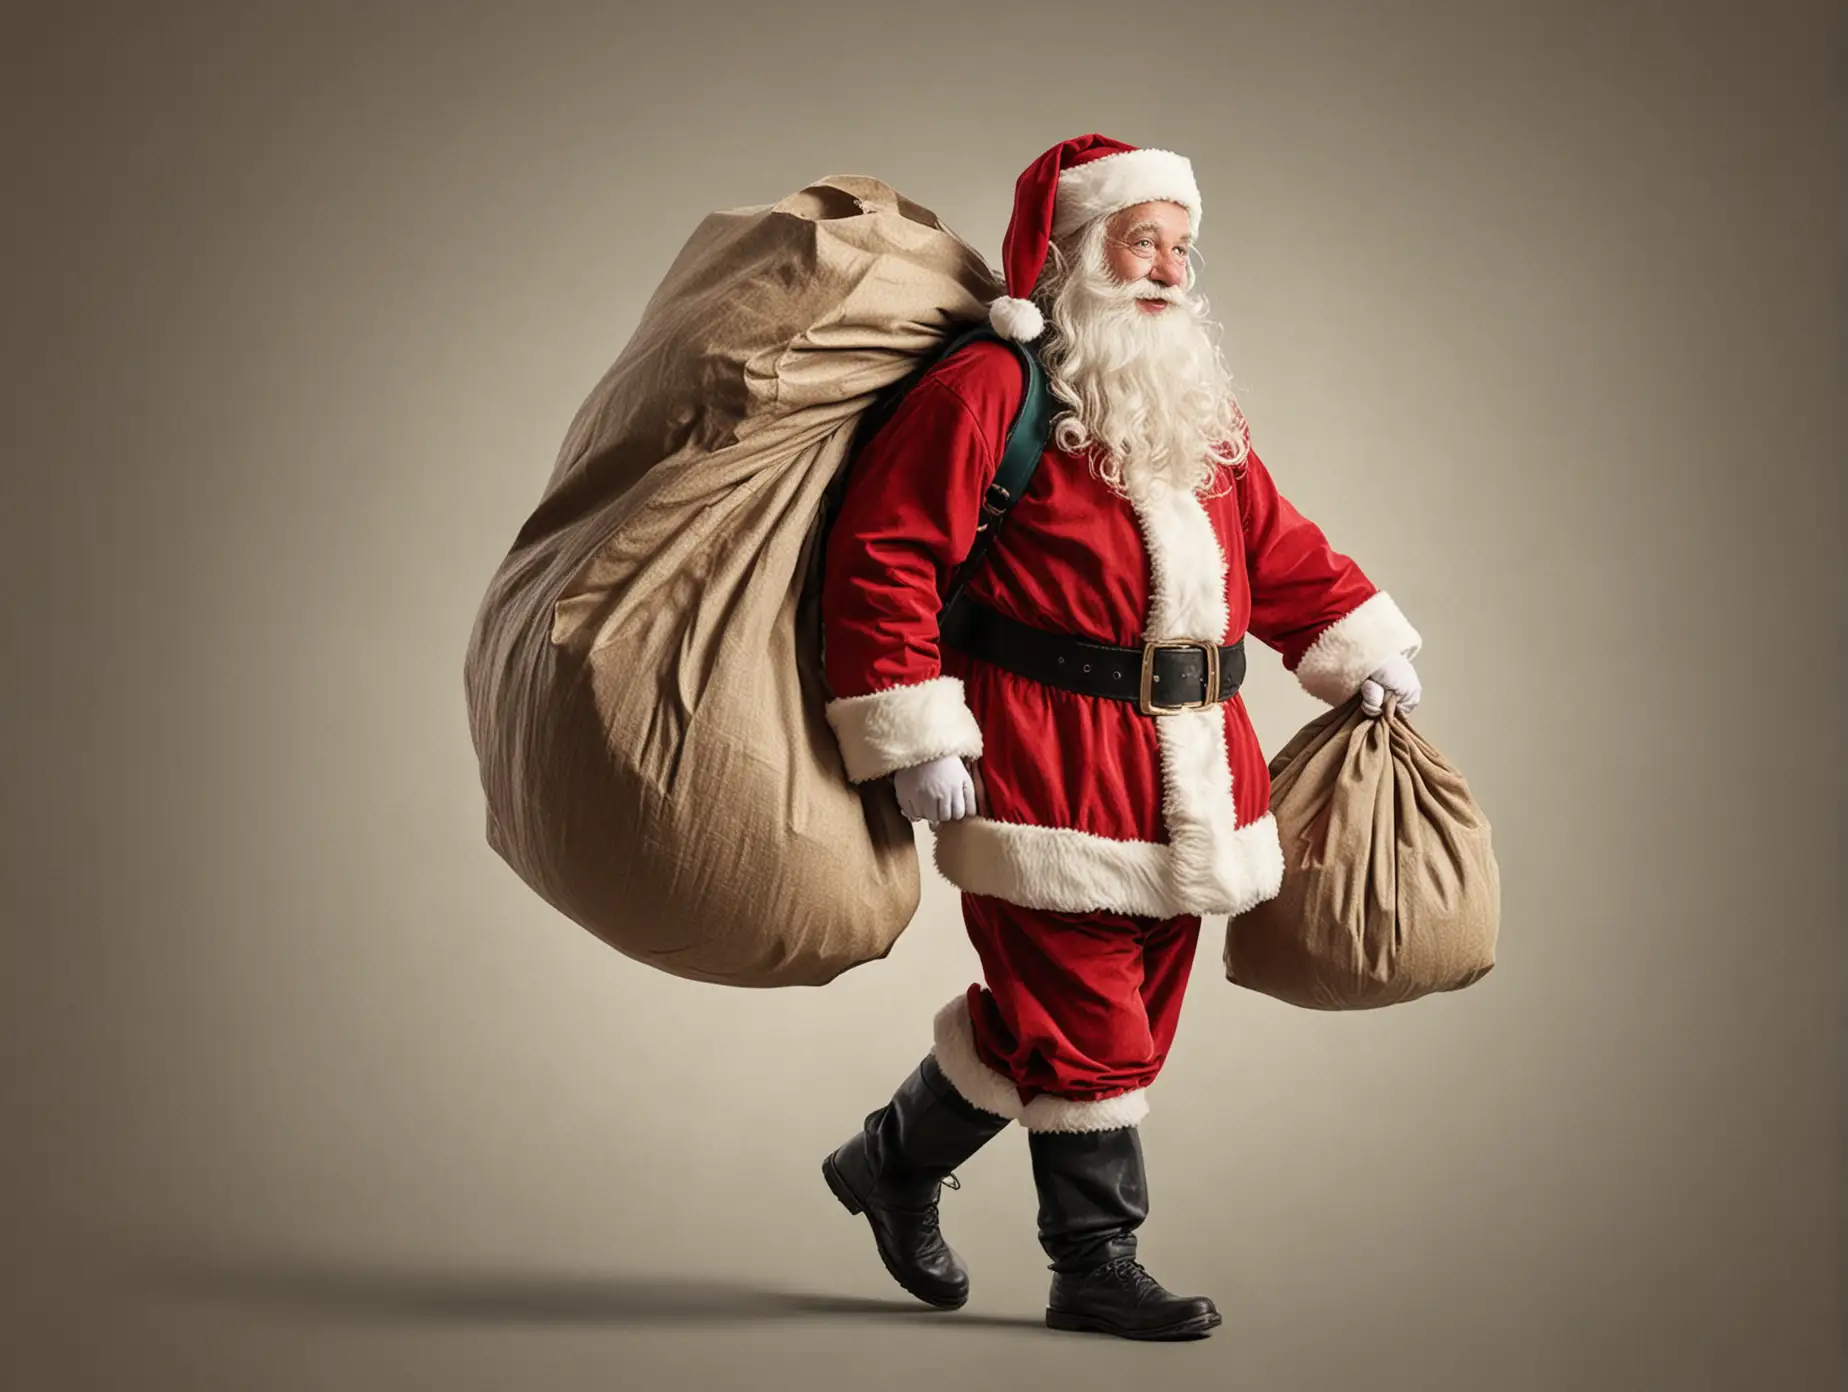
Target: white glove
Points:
(1395, 674)
(937, 790)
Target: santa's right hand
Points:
(937, 790)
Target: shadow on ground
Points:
(361, 1289)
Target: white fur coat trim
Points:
(981, 1086)
(1216, 869)
(1209, 864)
(1351, 648)
(886, 730)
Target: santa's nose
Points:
(1169, 269)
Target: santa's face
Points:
(1130, 291)
(1132, 353)
(1149, 242)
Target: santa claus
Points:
(1072, 725)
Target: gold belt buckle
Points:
(1147, 705)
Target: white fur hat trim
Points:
(1119, 181)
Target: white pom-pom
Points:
(1014, 318)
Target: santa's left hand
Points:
(1395, 674)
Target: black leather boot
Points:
(892, 1169)
(1093, 1195)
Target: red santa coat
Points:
(1087, 804)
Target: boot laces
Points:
(1128, 1271)
(926, 1213)
(929, 1216)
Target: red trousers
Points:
(1078, 1010)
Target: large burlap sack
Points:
(1390, 887)
(644, 682)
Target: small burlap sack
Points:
(1390, 887)
(644, 679)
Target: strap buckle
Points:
(994, 507)
(1145, 701)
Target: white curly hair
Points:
(1143, 392)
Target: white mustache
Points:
(1122, 290)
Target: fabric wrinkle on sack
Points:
(1391, 890)
(679, 529)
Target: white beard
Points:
(1149, 394)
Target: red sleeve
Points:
(907, 520)
(1311, 603)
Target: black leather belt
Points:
(1162, 676)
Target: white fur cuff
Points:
(979, 1084)
(903, 725)
(1049, 1113)
(982, 1087)
(1350, 649)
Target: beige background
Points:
(1535, 308)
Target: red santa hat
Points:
(1073, 182)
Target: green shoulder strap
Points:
(1020, 456)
